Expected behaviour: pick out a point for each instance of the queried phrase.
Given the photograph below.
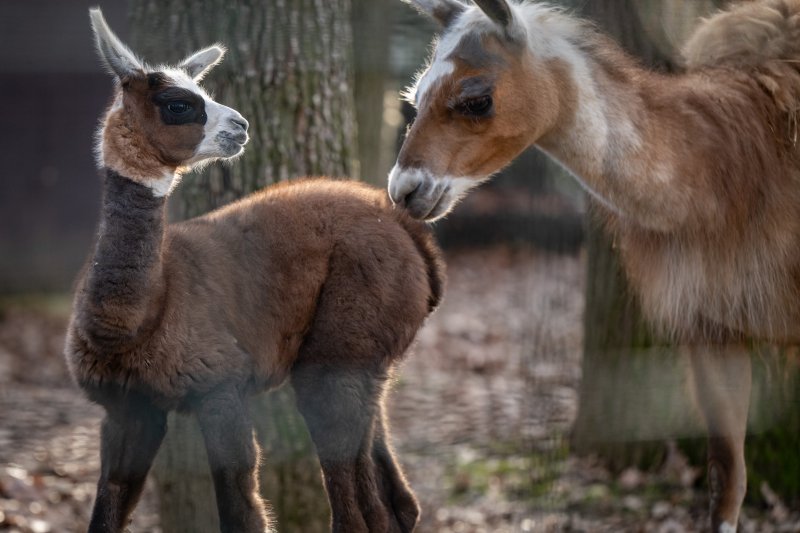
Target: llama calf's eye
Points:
(476, 107)
(179, 108)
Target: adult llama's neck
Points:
(607, 137)
(648, 145)
(124, 283)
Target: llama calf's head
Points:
(161, 123)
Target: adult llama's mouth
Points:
(425, 196)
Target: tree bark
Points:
(614, 330)
(371, 61)
(288, 70)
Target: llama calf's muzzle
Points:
(233, 138)
(241, 122)
(238, 129)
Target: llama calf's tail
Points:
(423, 238)
(748, 34)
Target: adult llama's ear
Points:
(116, 56)
(444, 12)
(198, 64)
(497, 10)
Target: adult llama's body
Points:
(318, 281)
(697, 175)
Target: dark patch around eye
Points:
(476, 108)
(472, 52)
(475, 87)
(196, 114)
(473, 97)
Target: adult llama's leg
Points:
(722, 381)
(131, 434)
(233, 458)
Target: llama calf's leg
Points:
(233, 457)
(131, 434)
(722, 387)
(386, 502)
(393, 484)
(339, 406)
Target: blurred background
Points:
(535, 399)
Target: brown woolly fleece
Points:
(320, 280)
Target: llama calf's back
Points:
(253, 286)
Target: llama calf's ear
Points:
(116, 56)
(444, 12)
(198, 64)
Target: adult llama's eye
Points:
(179, 108)
(476, 107)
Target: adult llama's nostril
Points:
(405, 200)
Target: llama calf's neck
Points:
(124, 285)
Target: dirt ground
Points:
(480, 414)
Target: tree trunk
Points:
(288, 70)
(614, 330)
(371, 61)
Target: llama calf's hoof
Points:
(370, 497)
(406, 511)
(399, 507)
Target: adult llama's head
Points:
(490, 90)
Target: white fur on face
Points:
(438, 68)
(427, 196)
(223, 137)
(472, 20)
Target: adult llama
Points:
(697, 174)
(320, 282)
